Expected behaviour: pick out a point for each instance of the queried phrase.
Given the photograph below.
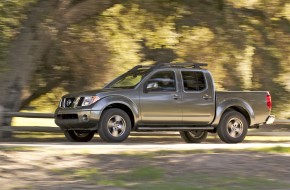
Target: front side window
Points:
(162, 81)
(193, 80)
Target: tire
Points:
(195, 136)
(115, 125)
(233, 127)
(79, 135)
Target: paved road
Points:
(104, 148)
(141, 142)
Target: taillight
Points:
(269, 101)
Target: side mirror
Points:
(151, 86)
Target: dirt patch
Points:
(40, 169)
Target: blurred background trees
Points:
(49, 48)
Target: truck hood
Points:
(100, 92)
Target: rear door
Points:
(198, 104)
(161, 105)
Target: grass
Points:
(143, 177)
(152, 154)
(20, 121)
(154, 178)
(17, 149)
(95, 176)
(205, 181)
(19, 136)
(89, 174)
(37, 135)
(267, 138)
(144, 173)
(276, 149)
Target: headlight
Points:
(88, 100)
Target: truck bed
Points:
(254, 101)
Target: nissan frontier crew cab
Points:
(163, 97)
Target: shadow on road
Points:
(136, 138)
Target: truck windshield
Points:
(129, 80)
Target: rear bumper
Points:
(270, 119)
(77, 119)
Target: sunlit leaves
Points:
(245, 43)
(286, 11)
(12, 12)
(129, 28)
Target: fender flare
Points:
(103, 103)
(233, 103)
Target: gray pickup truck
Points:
(163, 97)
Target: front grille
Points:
(67, 116)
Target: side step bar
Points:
(174, 128)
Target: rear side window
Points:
(193, 80)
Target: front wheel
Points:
(233, 127)
(79, 135)
(115, 125)
(194, 136)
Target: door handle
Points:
(206, 97)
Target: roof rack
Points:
(138, 67)
(188, 65)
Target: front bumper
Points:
(270, 119)
(77, 119)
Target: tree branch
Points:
(40, 91)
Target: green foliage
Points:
(48, 102)
(237, 42)
(12, 12)
(246, 43)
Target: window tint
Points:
(165, 81)
(193, 80)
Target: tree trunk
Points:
(33, 41)
(24, 54)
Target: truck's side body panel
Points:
(254, 103)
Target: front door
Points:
(160, 99)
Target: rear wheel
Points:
(194, 136)
(115, 125)
(79, 135)
(233, 127)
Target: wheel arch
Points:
(238, 105)
(122, 103)
(240, 110)
(123, 107)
